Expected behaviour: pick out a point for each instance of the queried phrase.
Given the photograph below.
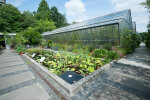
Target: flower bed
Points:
(59, 63)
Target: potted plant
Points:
(20, 49)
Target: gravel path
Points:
(128, 79)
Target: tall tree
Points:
(147, 5)
(28, 20)
(43, 11)
(10, 18)
(45, 25)
(58, 18)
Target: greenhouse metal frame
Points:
(98, 31)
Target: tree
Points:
(129, 41)
(10, 19)
(29, 36)
(43, 11)
(147, 41)
(58, 18)
(143, 36)
(146, 4)
(45, 25)
(28, 20)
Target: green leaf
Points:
(90, 69)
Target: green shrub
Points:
(1, 47)
(29, 36)
(129, 41)
(112, 55)
(20, 49)
(103, 53)
(147, 41)
(43, 43)
(49, 43)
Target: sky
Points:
(80, 10)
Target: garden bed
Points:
(88, 67)
(58, 63)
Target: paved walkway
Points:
(19, 82)
(128, 79)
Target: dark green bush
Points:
(1, 47)
(129, 41)
(112, 55)
(20, 49)
(49, 43)
(103, 53)
(43, 42)
(147, 41)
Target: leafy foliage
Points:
(44, 25)
(58, 18)
(43, 11)
(43, 42)
(143, 36)
(146, 4)
(33, 37)
(10, 19)
(28, 20)
(147, 41)
(130, 41)
(59, 63)
(103, 53)
(29, 36)
(49, 43)
(20, 49)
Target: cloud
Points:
(16, 3)
(74, 7)
(139, 13)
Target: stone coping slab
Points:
(68, 88)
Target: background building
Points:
(98, 31)
(2, 2)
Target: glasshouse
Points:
(98, 31)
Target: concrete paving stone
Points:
(12, 69)
(134, 63)
(15, 79)
(107, 92)
(131, 81)
(11, 64)
(32, 92)
(4, 57)
(140, 79)
(10, 60)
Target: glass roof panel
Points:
(98, 21)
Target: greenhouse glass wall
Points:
(98, 31)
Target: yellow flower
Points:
(73, 69)
(98, 61)
(69, 62)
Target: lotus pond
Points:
(59, 63)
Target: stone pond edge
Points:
(68, 88)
